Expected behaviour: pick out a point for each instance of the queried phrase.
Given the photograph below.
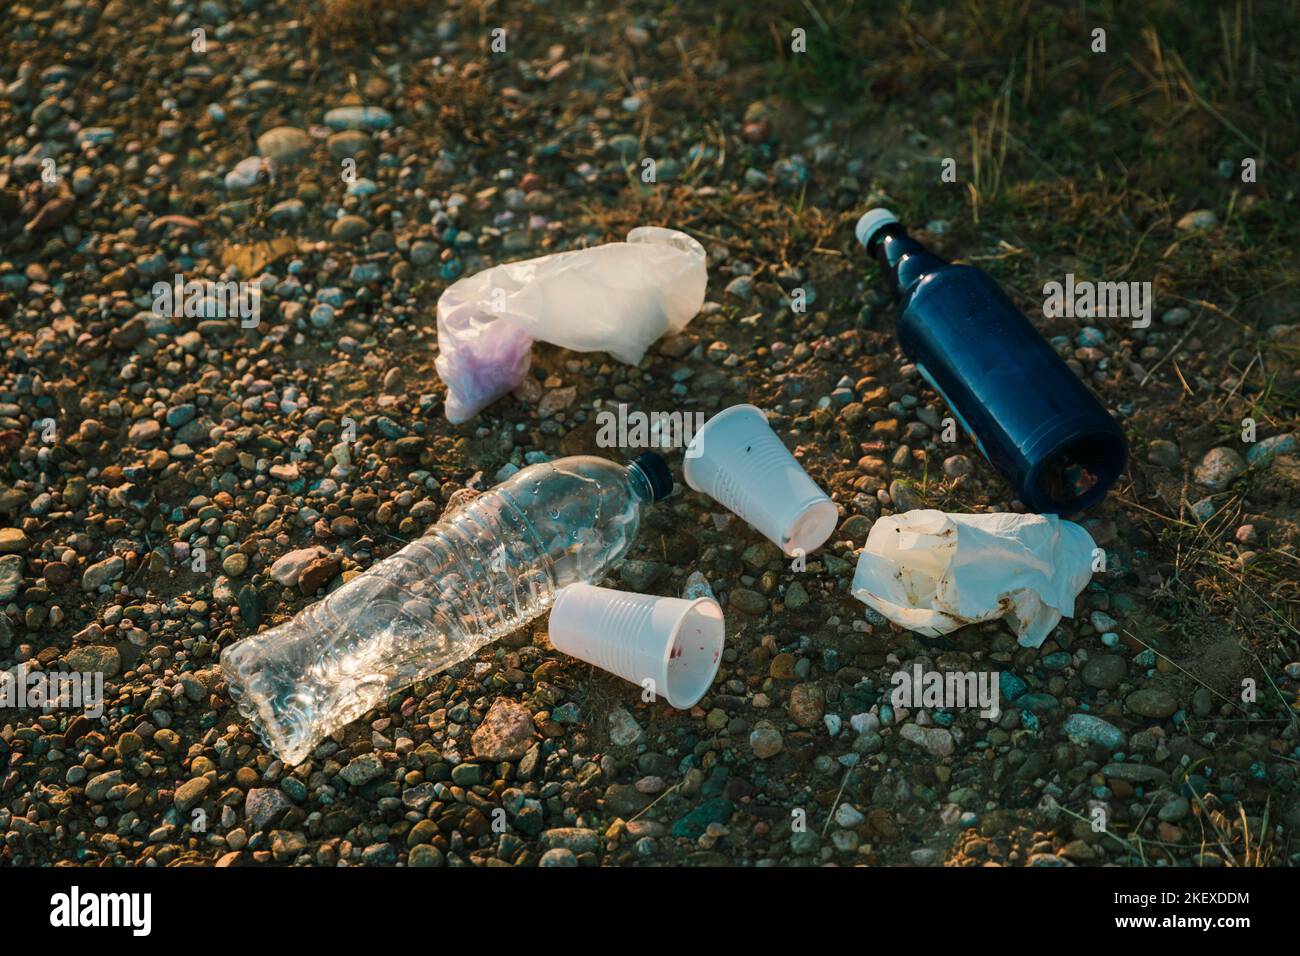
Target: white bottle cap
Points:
(672, 643)
(738, 460)
(871, 222)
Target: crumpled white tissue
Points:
(933, 572)
(617, 298)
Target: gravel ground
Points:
(173, 483)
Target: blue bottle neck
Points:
(905, 261)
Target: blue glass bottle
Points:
(1027, 412)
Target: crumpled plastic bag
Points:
(933, 572)
(617, 298)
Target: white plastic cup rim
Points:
(683, 669)
(798, 525)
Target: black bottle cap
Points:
(656, 472)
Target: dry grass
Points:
(347, 24)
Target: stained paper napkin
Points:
(933, 572)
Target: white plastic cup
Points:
(673, 643)
(740, 462)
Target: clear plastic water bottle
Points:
(481, 572)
